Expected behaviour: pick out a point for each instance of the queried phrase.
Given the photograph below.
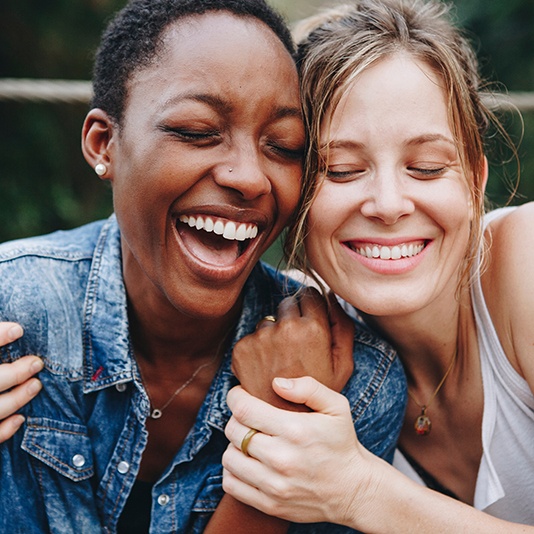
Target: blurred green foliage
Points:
(46, 184)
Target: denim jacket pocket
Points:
(65, 447)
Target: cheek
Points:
(287, 191)
(322, 222)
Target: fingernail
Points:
(15, 332)
(37, 366)
(284, 383)
(34, 387)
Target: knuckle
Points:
(283, 463)
(279, 490)
(241, 411)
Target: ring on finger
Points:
(268, 319)
(246, 440)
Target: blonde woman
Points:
(393, 222)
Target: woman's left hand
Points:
(303, 467)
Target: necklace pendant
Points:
(156, 414)
(422, 423)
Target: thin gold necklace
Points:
(156, 413)
(422, 423)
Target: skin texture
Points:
(394, 179)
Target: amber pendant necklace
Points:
(422, 423)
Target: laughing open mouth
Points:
(214, 240)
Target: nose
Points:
(387, 197)
(244, 173)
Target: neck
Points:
(161, 342)
(426, 339)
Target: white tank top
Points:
(505, 481)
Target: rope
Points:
(80, 92)
(508, 101)
(72, 92)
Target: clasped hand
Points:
(308, 338)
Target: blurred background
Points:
(45, 184)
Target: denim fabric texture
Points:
(72, 465)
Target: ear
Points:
(98, 140)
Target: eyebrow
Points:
(419, 140)
(430, 138)
(223, 107)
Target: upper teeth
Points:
(390, 253)
(228, 229)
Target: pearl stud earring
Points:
(230, 169)
(100, 169)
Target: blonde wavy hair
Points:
(337, 44)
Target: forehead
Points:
(219, 49)
(399, 88)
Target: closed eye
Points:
(343, 176)
(288, 153)
(423, 172)
(193, 136)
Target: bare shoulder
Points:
(508, 285)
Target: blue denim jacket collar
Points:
(105, 320)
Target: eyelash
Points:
(191, 135)
(289, 153)
(341, 176)
(428, 173)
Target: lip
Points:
(216, 272)
(388, 256)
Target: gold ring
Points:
(268, 318)
(246, 440)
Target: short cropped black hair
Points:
(133, 38)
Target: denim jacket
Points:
(72, 465)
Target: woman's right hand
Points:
(18, 386)
(308, 338)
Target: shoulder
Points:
(508, 285)
(36, 268)
(63, 245)
(43, 283)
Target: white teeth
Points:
(385, 253)
(208, 225)
(390, 253)
(229, 230)
(241, 232)
(218, 228)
